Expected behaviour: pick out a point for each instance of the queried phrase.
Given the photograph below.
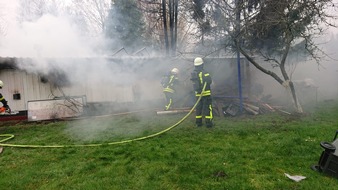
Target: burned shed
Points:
(108, 84)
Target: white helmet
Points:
(198, 61)
(174, 71)
(1, 84)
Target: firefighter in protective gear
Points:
(3, 100)
(204, 108)
(169, 84)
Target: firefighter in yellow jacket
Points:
(199, 77)
(169, 83)
(3, 101)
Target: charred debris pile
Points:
(231, 107)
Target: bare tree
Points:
(273, 30)
(152, 10)
(169, 24)
(165, 26)
(266, 31)
(170, 13)
(94, 12)
(31, 10)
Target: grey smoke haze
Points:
(313, 82)
(59, 42)
(55, 42)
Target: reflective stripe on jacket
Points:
(3, 100)
(203, 77)
(171, 84)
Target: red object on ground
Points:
(2, 109)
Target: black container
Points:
(328, 161)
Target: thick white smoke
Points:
(47, 37)
(59, 41)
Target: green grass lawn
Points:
(244, 152)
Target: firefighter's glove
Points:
(8, 109)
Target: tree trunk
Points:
(298, 107)
(165, 28)
(286, 83)
(175, 21)
(286, 76)
(171, 25)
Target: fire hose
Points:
(10, 136)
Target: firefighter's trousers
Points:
(169, 100)
(204, 108)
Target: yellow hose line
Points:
(10, 136)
